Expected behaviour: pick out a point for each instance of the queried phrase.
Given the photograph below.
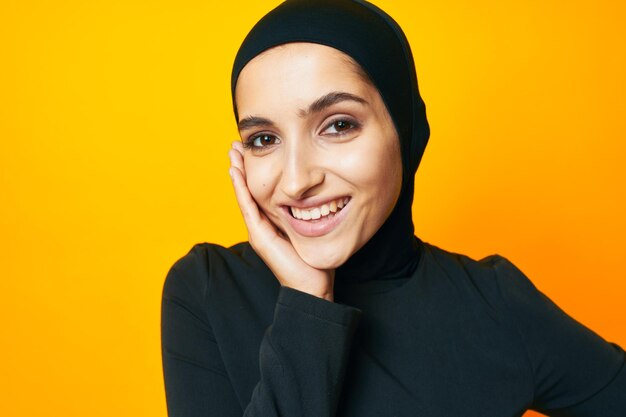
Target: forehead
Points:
(298, 72)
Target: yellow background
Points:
(115, 121)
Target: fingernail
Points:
(230, 172)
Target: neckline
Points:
(384, 286)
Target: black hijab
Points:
(376, 42)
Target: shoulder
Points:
(193, 272)
(487, 276)
(568, 361)
(499, 281)
(201, 255)
(210, 273)
(493, 284)
(455, 262)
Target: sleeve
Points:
(576, 372)
(196, 382)
(302, 357)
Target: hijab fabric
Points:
(376, 42)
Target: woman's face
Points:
(322, 157)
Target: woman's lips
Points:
(318, 227)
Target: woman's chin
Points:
(319, 258)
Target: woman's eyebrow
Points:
(250, 122)
(327, 100)
(330, 99)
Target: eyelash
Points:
(249, 142)
(352, 124)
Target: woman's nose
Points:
(301, 172)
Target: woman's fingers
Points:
(247, 205)
(238, 146)
(236, 159)
(259, 227)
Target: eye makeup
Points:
(260, 141)
(341, 125)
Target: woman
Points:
(334, 307)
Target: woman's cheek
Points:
(374, 167)
(359, 165)
(259, 179)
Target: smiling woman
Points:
(315, 147)
(333, 307)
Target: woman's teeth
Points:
(319, 212)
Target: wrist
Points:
(325, 294)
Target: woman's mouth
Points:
(315, 213)
(319, 220)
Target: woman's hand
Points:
(271, 244)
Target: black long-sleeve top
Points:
(458, 337)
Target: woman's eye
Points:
(339, 126)
(261, 141)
